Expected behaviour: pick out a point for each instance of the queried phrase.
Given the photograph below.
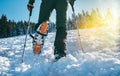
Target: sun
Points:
(115, 15)
(113, 21)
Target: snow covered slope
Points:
(101, 56)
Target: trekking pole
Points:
(78, 31)
(28, 28)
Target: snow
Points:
(23, 67)
(4, 64)
(101, 56)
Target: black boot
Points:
(60, 43)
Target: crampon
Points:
(39, 37)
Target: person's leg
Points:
(61, 33)
(46, 8)
(42, 25)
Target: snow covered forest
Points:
(9, 28)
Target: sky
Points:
(16, 9)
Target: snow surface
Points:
(101, 56)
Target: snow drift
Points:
(101, 56)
